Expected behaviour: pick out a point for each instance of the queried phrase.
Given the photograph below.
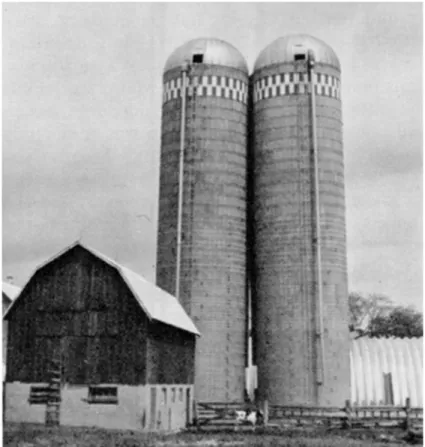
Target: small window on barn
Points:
(181, 394)
(103, 395)
(164, 396)
(198, 58)
(173, 395)
(39, 395)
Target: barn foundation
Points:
(142, 408)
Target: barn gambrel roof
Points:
(158, 304)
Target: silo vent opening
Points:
(198, 58)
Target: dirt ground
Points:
(31, 435)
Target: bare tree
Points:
(377, 316)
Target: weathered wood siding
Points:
(80, 308)
(171, 355)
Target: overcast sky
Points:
(81, 125)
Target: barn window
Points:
(173, 395)
(103, 395)
(164, 396)
(181, 394)
(39, 395)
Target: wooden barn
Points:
(121, 348)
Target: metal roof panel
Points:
(283, 50)
(214, 51)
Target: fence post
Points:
(195, 413)
(407, 410)
(347, 410)
(4, 402)
(266, 412)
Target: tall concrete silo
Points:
(201, 252)
(301, 296)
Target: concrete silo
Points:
(202, 231)
(300, 282)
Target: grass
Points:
(32, 435)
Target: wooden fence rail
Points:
(216, 413)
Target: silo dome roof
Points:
(283, 49)
(214, 52)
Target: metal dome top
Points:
(207, 51)
(284, 49)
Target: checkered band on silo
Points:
(212, 85)
(213, 265)
(297, 83)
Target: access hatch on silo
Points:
(300, 52)
(198, 53)
(197, 58)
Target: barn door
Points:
(188, 405)
(388, 389)
(153, 408)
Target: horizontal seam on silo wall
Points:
(289, 227)
(200, 109)
(232, 207)
(211, 261)
(293, 164)
(230, 124)
(276, 226)
(293, 143)
(236, 248)
(288, 230)
(238, 138)
(210, 252)
(285, 229)
(217, 112)
(231, 186)
(201, 130)
(290, 178)
(320, 119)
(217, 157)
(196, 262)
(170, 151)
(203, 173)
(211, 100)
(218, 123)
(290, 186)
(230, 243)
(226, 229)
(231, 174)
(292, 110)
(215, 167)
(295, 130)
(268, 140)
(233, 249)
(285, 154)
